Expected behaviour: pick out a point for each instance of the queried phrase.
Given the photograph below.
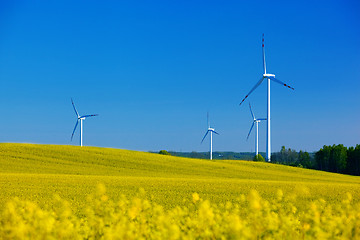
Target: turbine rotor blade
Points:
(215, 132)
(77, 114)
(252, 114)
(250, 131)
(205, 136)
(91, 115)
(262, 119)
(256, 85)
(72, 135)
(263, 52)
(280, 82)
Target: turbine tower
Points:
(80, 119)
(269, 77)
(211, 130)
(255, 121)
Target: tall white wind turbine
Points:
(255, 121)
(80, 119)
(211, 130)
(269, 77)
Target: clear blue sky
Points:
(152, 69)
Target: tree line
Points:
(335, 158)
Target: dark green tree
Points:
(356, 160)
(339, 158)
(259, 158)
(304, 160)
(292, 157)
(282, 155)
(353, 160)
(332, 159)
(326, 158)
(164, 152)
(319, 162)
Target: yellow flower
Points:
(306, 227)
(279, 194)
(195, 197)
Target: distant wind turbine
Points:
(269, 77)
(255, 121)
(211, 130)
(80, 119)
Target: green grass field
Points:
(37, 172)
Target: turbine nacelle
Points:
(266, 75)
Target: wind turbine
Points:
(255, 121)
(269, 77)
(211, 130)
(80, 119)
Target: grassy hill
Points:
(37, 172)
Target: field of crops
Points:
(241, 199)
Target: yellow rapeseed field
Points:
(48, 192)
